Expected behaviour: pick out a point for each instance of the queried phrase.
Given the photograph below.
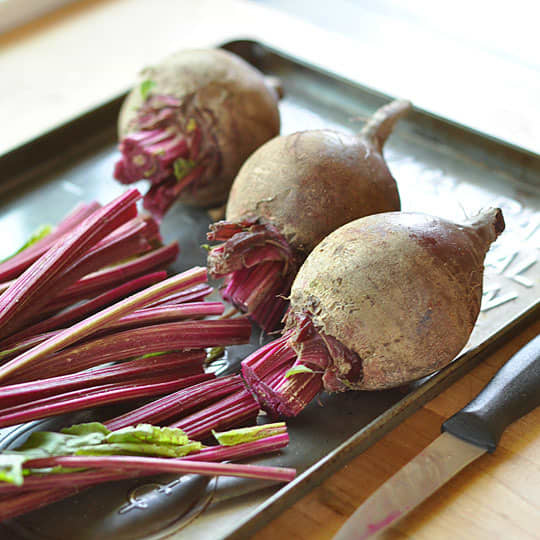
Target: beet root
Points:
(299, 188)
(190, 124)
(380, 302)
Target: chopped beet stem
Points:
(86, 478)
(258, 265)
(172, 465)
(15, 265)
(126, 344)
(20, 504)
(229, 412)
(94, 322)
(242, 450)
(100, 281)
(30, 391)
(178, 403)
(76, 313)
(137, 319)
(15, 301)
(93, 397)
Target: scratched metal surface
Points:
(440, 168)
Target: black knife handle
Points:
(513, 392)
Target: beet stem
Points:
(171, 465)
(100, 281)
(76, 313)
(14, 302)
(41, 388)
(177, 403)
(108, 315)
(96, 396)
(87, 478)
(15, 265)
(258, 265)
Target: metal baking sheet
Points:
(441, 168)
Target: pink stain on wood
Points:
(377, 526)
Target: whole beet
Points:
(381, 301)
(190, 123)
(291, 193)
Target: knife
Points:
(474, 430)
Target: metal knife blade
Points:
(470, 433)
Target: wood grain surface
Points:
(74, 59)
(497, 496)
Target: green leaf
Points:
(182, 167)
(141, 448)
(94, 439)
(47, 443)
(11, 468)
(152, 354)
(85, 429)
(300, 368)
(148, 434)
(213, 354)
(146, 87)
(7, 352)
(36, 236)
(254, 433)
(191, 125)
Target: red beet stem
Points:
(26, 502)
(168, 313)
(150, 155)
(242, 450)
(91, 324)
(229, 412)
(76, 313)
(287, 373)
(258, 265)
(38, 483)
(101, 281)
(195, 293)
(115, 248)
(45, 489)
(160, 197)
(178, 403)
(191, 361)
(171, 465)
(43, 273)
(136, 342)
(137, 319)
(15, 265)
(14, 349)
(95, 396)
(86, 478)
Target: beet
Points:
(190, 123)
(380, 302)
(291, 193)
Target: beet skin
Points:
(190, 123)
(380, 302)
(302, 186)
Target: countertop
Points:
(86, 53)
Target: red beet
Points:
(190, 124)
(381, 301)
(291, 193)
